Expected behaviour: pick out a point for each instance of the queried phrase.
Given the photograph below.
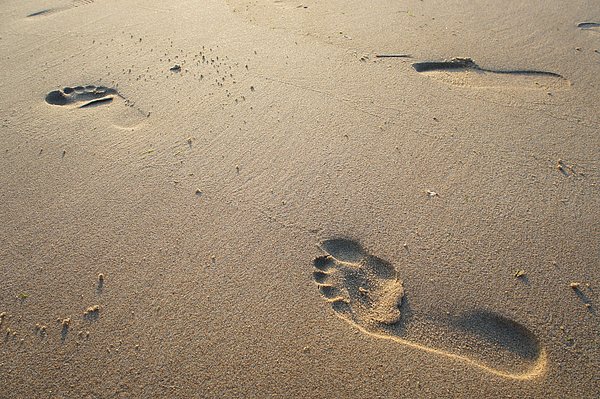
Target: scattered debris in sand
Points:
(92, 310)
(564, 168)
(40, 328)
(519, 273)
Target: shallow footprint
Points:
(465, 72)
(94, 96)
(367, 292)
(54, 10)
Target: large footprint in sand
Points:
(465, 72)
(367, 292)
(79, 97)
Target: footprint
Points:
(48, 11)
(593, 26)
(82, 96)
(367, 292)
(465, 72)
(79, 97)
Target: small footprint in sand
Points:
(367, 292)
(48, 11)
(465, 72)
(82, 96)
(79, 97)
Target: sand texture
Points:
(309, 199)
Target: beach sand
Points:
(241, 199)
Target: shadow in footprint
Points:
(594, 26)
(366, 291)
(344, 250)
(95, 103)
(499, 331)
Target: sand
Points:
(240, 199)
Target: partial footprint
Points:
(367, 292)
(53, 10)
(363, 289)
(593, 26)
(465, 72)
(78, 97)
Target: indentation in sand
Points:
(465, 72)
(80, 96)
(91, 96)
(54, 10)
(593, 26)
(367, 292)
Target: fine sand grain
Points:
(348, 199)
